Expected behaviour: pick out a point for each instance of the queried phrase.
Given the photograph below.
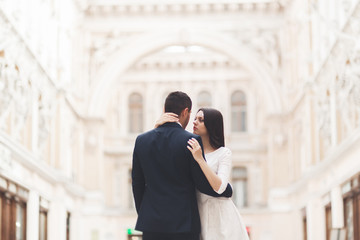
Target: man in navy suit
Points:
(165, 177)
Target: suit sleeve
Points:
(138, 181)
(201, 183)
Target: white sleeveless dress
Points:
(220, 219)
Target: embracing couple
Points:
(180, 179)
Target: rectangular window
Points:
(136, 121)
(243, 120)
(7, 219)
(349, 218)
(357, 215)
(1, 208)
(239, 176)
(351, 196)
(20, 224)
(238, 119)
(68, 226)
(1, 214)
(43, 225)
(238, 112)
(304, 220)
(12, 211)
(328, 216)
(135, 113)
(13, 218)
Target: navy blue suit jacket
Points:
(164, 178)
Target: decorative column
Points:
(315, 220)
(32, 216)
(93, 153)
(337, 208)
(35, 121)
(57, 216)
(78, 226)
(333, 113)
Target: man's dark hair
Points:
(176, 102)
(214, 124)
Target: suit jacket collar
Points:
(171, 124)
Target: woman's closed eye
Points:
(199, 119)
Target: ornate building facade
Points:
(80, 79)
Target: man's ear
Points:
(184, 112)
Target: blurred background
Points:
(80, 79)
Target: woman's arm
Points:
(166, 117)
(218, 183)
(200, 180)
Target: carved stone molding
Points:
(15, 96)
(195, 7)
(21, 77)
(341, 72)
(5, 160)
(323, 115)
(266, 45)
(101, 48)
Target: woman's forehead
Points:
(200, 114)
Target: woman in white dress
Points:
(220, 219)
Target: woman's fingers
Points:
(170, 117)
(194, 142)
(191, 149)
(171, 114)
(195, 146)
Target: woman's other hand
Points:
(195, 149)
(166, 117)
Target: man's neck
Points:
(182, 122)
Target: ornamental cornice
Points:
(19, 154)
(22, 47)
(338, 87)
(118, 8)
(345, 47)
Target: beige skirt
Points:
(220, 219)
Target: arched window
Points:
(239, 179)
(135, 113)
(238, 112)
(204, 99)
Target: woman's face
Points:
(199, 124)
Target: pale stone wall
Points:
(67, 69)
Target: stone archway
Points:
(133, 51)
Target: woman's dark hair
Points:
(176, 102)
(214, 124)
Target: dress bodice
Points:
(219, 216)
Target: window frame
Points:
(304, 222)
(245, 180)
(23, 205)
(352, 194)
(207, 102)
(328, 220)
(43, 212)
(12, 196)
(239, 112)
(135, 113)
